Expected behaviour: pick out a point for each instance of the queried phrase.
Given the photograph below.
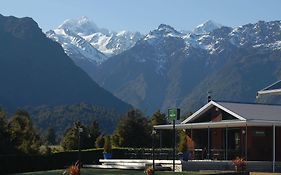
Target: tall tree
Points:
(23, 135)
(51, 136)
(70, 139)
(132, 131)
(95, 132)
(5, 142)
(158, 118)
(78, 134)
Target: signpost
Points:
(173, 115)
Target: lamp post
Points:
(80, 130)
(153, 149)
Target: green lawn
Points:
(110, 172)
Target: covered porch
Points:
(222, 131)
(226, 140)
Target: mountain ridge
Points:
(36, 71)
(192, 62)
(166, 67)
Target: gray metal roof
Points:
(276, 85)
(254, 111)
(274, 88)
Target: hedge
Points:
(29, 163)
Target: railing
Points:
(214, 154)
(167, 154)
(141, 153)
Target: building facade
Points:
(224, 131)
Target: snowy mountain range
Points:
(167, 67)
(86, 43)
(83, 39)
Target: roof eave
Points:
(269, 92)
(222, 124)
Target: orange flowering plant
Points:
(73, 169)
(149, 171)
(239, 163)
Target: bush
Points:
(99, 141)
(107, 145)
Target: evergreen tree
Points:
(51, 136)
(23, 135)
(6, 146)
(95, 132)
(133, 130)
(107, 147)
(70, 140)
(158, 118)
(182, 143)
(99, 141)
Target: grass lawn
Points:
(110, 172)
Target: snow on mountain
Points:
(161, 32)
(206, 27)
(97, 44)
(75, 46)
(113, 43)
(83, 38)
(82, 26)
(260, 33)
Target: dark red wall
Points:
(260, 146)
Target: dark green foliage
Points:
(70, 140)
(133, 130)
(11, 164)
(158, 118)
(182, 143)
(107, 144)
(23, 135)
(99, 141)
(6, 146)
(34, 70)
(62, 117)
(94, 130)
(51, 136)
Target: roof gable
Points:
(207, 107)
(241, 111)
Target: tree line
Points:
(133, 130)
(18, 135)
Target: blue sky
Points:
(144, 15)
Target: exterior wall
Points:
(259, 143)
(278, 144)
(260, 146)
(216, 139)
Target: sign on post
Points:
(174, 114)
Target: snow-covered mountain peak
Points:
(168, 30)
(82, 26)
(84, 38)
(161, 32)
(206, 27)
